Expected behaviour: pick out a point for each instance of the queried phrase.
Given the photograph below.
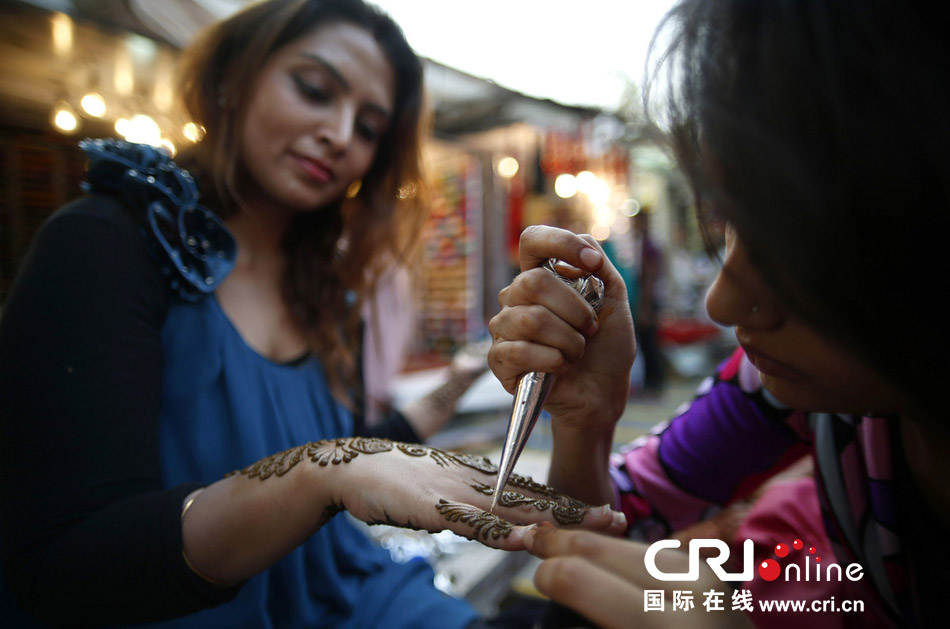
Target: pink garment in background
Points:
(387, 338)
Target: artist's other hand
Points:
(605, 579)
(544, 325)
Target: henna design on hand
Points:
(564, 514)
(278, 464)
(483, 523)
(446, 459)
(338, 451)
(325, 452)
(344, 450)
(529, 484)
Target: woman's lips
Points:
(315, 169)
(771, 367)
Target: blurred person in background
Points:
(389, 324)
(645, 304)
(175, 381)
(817, 134)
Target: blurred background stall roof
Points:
(585, 54)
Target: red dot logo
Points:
(769, 570)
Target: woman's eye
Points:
(367, 131)
(312, 92)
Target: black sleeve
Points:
(88, 534)
(393, 427)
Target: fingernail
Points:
(528, 539)
(620, 520)
(592, 327)
(590, 258)
(601, 510)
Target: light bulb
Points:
(93, 104)
(64, 118)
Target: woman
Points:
(817, 131)
(175, 439)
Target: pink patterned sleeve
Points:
(720, 446)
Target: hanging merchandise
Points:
(451, 277)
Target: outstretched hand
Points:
(420, 487)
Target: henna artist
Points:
(816, 134)
(177, 348)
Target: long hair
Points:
(821, 131)
(334, 255)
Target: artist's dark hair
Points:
(821, 131)
(335, 254)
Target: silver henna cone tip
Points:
(532, 390)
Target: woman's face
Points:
(314, 118)
(803, 369)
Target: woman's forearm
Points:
(430, 413)
(579, 463)
(242, 524)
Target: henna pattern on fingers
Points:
(564, 514)
(483, 523)
(529, 484)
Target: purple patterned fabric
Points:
(734, 436)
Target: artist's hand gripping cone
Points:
(533, 389)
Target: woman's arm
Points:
(242, 524)
(89, 534)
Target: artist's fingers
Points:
(597, 594)
(541, 327)
(540, 242)
(611, 554)
(620, 557)
(539, 287)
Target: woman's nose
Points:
(337, 129)
(739, 297)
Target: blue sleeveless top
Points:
(224, 406)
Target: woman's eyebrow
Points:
(339, 78)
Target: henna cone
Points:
(533, 389)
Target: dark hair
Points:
(335, 255)
(820, 130)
